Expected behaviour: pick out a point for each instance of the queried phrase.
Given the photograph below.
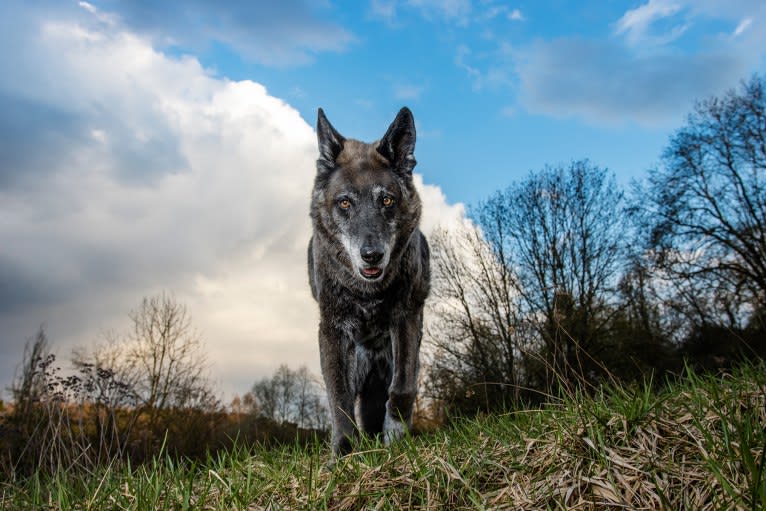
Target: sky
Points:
(150, 146)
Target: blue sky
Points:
(499, 88)
(148, 146)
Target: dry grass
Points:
(697, 445)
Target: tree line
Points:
(565, 280)
(138, 394)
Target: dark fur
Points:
(370, 326)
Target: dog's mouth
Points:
(371, 273)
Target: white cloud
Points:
(516, 15)
(743, 26)
(154, 175)
(437, 212)
(660, 22)
(635, 23)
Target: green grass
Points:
(698, 445)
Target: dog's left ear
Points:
(398, 144)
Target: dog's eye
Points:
(388, 201)
(344, 204)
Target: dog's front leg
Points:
(405, 344)
(336, 354)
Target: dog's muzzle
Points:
(372, 256)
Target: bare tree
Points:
(527, 297)
(264, 394)
(285, 383)
(563, 230)
(290, 396)
(306, 397)
(705, 207)
(164, 355)
(476, 340)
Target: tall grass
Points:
(698, 444)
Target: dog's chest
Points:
(368, 323)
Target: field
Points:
(696, 444)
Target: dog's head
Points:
(364, 199)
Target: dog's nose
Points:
(371, 254)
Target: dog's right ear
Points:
(330, 141)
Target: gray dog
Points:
(369, 271)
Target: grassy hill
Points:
(698, 444)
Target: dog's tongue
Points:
(371, 272)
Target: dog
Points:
(369, 271)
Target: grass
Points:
(698, 444)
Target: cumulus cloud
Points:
(126, 171)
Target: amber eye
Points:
(388, 201)
(344, 204)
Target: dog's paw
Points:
(342, 445)
(393, 429)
